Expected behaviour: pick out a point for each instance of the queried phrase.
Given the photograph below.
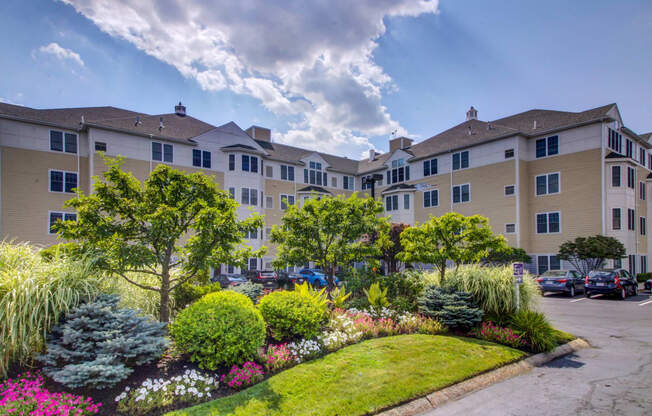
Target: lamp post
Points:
(370, 180)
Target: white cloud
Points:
(61, 53)
(310, 60)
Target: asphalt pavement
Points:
(614, 377)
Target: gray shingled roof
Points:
(646, 136)
(291, 154)
(175, 127)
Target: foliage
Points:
(371, 325)
(506, 255)
(251, 290)
(172, 221)
(132, 296)
(399, 369)
(589, 253)
(34, 294)
(376, 297)
(329, 232)
(290, 314)
(562, 337)
(305, 349)
(222, 328)
(340, 331)
(492, 288)
(240, 378)
(403, 289)
(26, 395)
(191, 387)
(643, 277)
(339, 296)
(356, 280)
(97, 343)
(493, 333)
(454, 309)
(278, 357)
(188, 293)
(318, 295)
(535, 329)
(452, 237)
(392, 247)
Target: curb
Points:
(459, 390)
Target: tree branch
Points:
(145, 287)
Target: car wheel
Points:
(623, 294)
(635, 291)
(572, 292)
(587, 293)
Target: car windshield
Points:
(599, 273)
(553, 273)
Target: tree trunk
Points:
(164, 308)
(442, 273)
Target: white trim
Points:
(460, 185)
(63, 213)
(546, 139)
(620, 222)
(510, 232)
(536, 230)
(548, 183)
(64, 181)
(424, 198)
(611, 176)
(63, 138)
(517, 155)
(286, 196)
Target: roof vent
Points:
(180, 109)
(472, 114)
(138, 122)
(534, 125)
(470, 131)
(489, 126)
(160, 124)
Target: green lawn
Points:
(364, 378)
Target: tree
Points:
(589, 253)
(330, 232)
(452, 237)
(506, 255)
(391, 246)
(173, 222)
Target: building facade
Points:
(541, 177)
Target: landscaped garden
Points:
(125, 321)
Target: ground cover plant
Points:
(364, 378)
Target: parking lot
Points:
(612, 378)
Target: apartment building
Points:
(541, 177)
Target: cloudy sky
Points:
(339, 76)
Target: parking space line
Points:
(645, 303)
(577, 300)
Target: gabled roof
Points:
(285, 153)
(646, 136)
(614, 155)
(399, 187)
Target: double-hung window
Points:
(631, 177)
(406, 201)
(245, 163)
(545, 263)
(55, 216)
(430, 167)
(461, 193)
(232, 162)
(162, 152)
(249, 196)
(641, 156)
(400, 172)
(642, 225)
(615, 141)
(391, 203)
(63, 142)
(510, 228)
(431, 198)
(61, 181)
(314, 175)
(461, 160)
(547, 146)
(347, 182)
(629, 148)
(547, 184)
(641, 190)
(201, 158)
(287, 173)
(286, 200)
(615, 176)
(615, 218)
(254, 164)
(631, 220)
(548, 222)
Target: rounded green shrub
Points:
(221, 328)
(290, 314)
(188, 293)
(536, 330)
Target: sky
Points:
(337, 76)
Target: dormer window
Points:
(398, 173)
(314, 175)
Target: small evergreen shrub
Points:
(188, 293)
(252, 290)
(290, 314)
(222, 328)
(97, 344)
(535, 329)
(454, 309)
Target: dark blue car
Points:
(561, 281)
(617, 282)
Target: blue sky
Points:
(338, 76)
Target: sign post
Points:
(518, 280)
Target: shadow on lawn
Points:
(261, 391)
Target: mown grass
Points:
(562, 337)
(364, 378)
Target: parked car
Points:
(648, 284)
(611, 282)
(317, 277)
(228, 280)
(289, 279)
(564, 281)
(264, 277)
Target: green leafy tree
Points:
(172, 222)
(330, 232)
(589, 253)
(505, 255)
(452, 236)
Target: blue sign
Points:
(518, 272)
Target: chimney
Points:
(180, 110)
(260, 133)
(534, 125)
(472, 114)
(399, 143)
(372, 154)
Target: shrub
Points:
(403, 289)
(318, 295)
(535, 329)
(493, 333)
(34, 294)
(376, 297)
(240, 378)
(289, 314)
(191, 388)
(133, 297)
(454, 309)
(97, 344)
(339, 296)
(220, 328)
(492, 288)
(188, 293)
(26, 395)
(643, 277)
(252, 290)
(357, 280)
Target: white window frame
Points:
(642, 225)
(64, 181)
(546, 175)
(547, 151)
(269, 198)
(547, 213)
(63, 143)
(460, 185)
(287, 197)
(510, 232)
(163, 144)
(514, 191)
(424, 198)
(201, 158)
(460, 153)
(63, 213)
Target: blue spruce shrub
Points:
(97, 344)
